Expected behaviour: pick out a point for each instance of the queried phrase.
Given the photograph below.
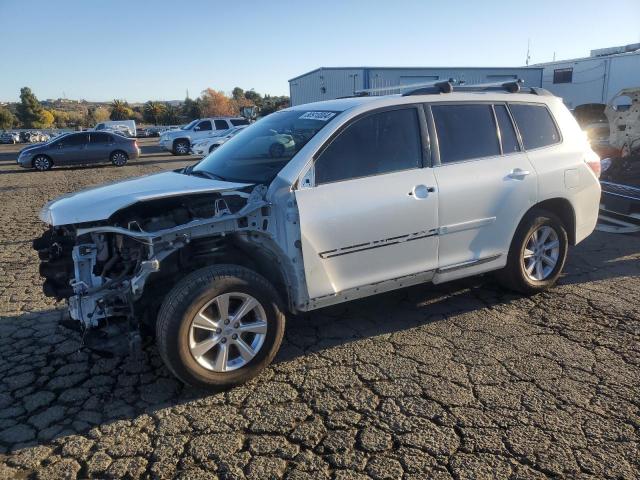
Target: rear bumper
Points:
(622, 200)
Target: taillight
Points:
(593, 160)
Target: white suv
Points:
(321, 204)
(179, 141)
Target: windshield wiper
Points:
(202, 173)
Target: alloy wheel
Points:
(119, 159)
(541, 253)
(228, 332)
(41, 163)
(182, 148)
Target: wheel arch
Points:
(563, 209)
(262, 258)
(175, 140)
(118, 150)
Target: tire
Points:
(536, 272)
(181, 147)
(119, 158)
(42, 163)
(191, 346)
(276, 150)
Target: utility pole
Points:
(528, 51)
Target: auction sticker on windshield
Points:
(322, 116)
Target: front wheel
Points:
(537, 253)
(42, 163)
(220, 326)
(181, 147)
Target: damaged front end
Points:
(120, 268)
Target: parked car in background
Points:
(80, 149)
(127, 127)
(120, 130)
(205, 146)
(10, 137)
(360, 196)
(179, 141)
(142, 133)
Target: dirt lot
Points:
(463, 380)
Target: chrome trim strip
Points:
(385, 242)
(468, 263)
(470, 225)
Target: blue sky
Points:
(139, 50)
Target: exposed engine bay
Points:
(121, 267)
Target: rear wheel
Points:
(220, 326)
(181, 147)
(42, 163)
(119, 158)
(537, 253)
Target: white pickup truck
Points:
(179, 141)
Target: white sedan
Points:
(206, 145)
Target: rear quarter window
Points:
(536, 125)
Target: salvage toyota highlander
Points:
(320, 204)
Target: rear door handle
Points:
(518, 173)
(421, 191)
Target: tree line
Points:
(29, 112)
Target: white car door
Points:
(372, 214)
(485, 184)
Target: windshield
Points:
(260, 151)
(189, 125)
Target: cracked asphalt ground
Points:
(463, 380)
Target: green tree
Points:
(61, 119)
(120, 110)
(237, 93)
(45, 120)
(191, 109)
(254, 97)
(171, 115)
(29, 109)
(7, 119)
(153, 112)
(96, 115)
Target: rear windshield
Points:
(260, 151)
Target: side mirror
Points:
(196, 128)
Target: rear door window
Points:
(465, 131)
(536, 125)
(507, 132)
(239, 121)
(378, 143)
(221, 124)
(100, 138)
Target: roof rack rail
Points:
(411, 87)
(514, 86)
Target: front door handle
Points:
(421, 191)
(518, 173)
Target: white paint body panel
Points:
(480, 206)
(99, 203)
(358, 213)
